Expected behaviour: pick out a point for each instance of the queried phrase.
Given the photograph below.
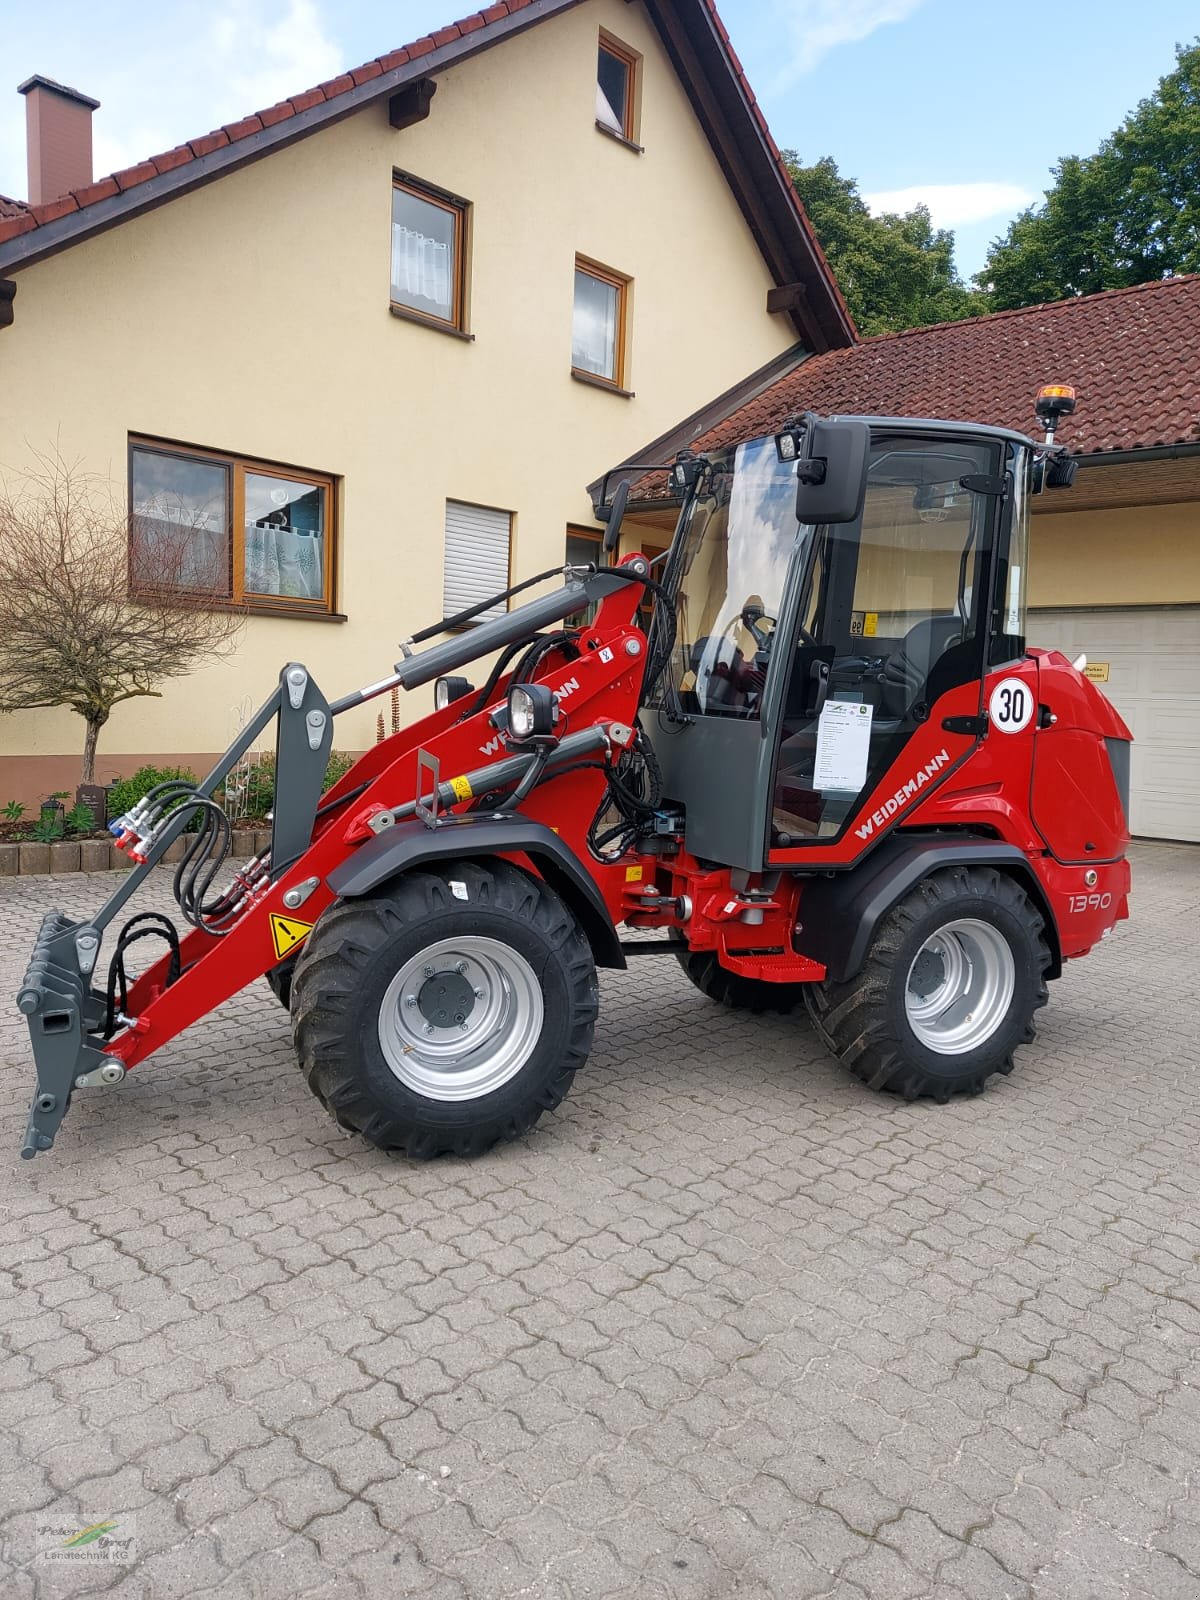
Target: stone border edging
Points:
(31, 860)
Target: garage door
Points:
(1153, 659)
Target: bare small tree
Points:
(97, 605)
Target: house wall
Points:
(252, 316)
(1128, 556)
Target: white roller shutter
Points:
(1152, 659)
(476, 559)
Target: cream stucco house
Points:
(372, 343)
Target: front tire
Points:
(948, 991)
(446, 1012)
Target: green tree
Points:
(895, 271)
(1126, 215)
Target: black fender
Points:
(839, 912)
(411, 844)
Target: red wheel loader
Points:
(829, 772)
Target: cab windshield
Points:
(740, 539)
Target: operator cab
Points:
(808, 652)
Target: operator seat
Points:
(905, 672)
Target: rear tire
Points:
(432, 1023)
(732, 990)
(948, 991)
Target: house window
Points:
(598, 333)
(428, 234)
(584, 547)
(616, 88)
(477, 557)
(240, 531)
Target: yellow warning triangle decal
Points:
(287, 933)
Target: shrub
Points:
(258, 796)
(80, 819)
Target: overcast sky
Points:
(954, 102)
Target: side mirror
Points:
(832, 472)
(612, 514)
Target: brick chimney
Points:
(58, 136)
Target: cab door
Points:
(888, 621)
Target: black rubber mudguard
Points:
(839, 912)
(412, 844)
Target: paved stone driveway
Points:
(727, 1325)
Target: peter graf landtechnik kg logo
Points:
(110, 1539)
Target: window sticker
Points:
(1012, 623)
(843, 746)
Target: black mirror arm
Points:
(612, 516)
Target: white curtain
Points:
(594, 340)
(281, 562)
(420, 267)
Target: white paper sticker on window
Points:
(843, 746)
(1013, 621)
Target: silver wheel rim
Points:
(461, 1019)
(960, 986)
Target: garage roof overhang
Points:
(1110, 479)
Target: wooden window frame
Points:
(621, 284)
(236, 468)
(631, 61)
(458, 209)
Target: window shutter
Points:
(476, 559)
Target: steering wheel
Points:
(761, 627)
(754, 619)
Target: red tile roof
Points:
(1130, 353)
(17, 218)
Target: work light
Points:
(531, 711)
(685, 470)
(447, 690)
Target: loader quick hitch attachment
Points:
(58, 1004)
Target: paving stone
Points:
(724, 1325)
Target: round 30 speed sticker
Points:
(1010, 705)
